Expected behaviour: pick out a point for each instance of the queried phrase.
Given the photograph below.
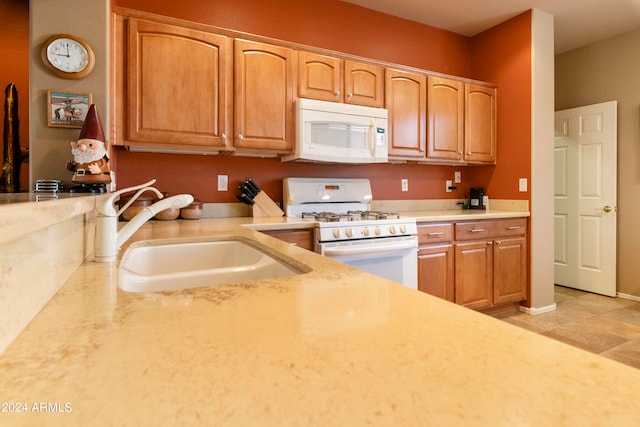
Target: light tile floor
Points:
(599, 324)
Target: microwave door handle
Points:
(372, 137)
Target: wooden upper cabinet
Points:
(363, 84)
(178, 87)
(480, 126)
(332, 79)
(445, 100)
(264, 97)
(320, 77)
(405, 98)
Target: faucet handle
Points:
(107, 208)
(135, 197)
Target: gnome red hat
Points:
(92, 127)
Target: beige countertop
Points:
(335, 346)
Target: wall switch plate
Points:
(405, 184)
(223, 182)
(522, 185)
(448, 185)
(457, 177)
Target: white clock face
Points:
(67, 55)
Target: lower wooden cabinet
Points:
(482, 264)
(301, 238)
(474, 274)
(509, 270)
(435, 260)
(435, 271)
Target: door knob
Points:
(607, 208)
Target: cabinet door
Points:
(474, 278)
(178, 85)
(480, 125)
(445, 106)
(509, 270)
(405, 98)
(363, 84)
(264, 93)
(435, 271)
(301, 238)
(319, 77)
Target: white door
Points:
(585, 198)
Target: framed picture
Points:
(67, 110)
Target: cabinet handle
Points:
(240, 136)
(338, 93)
(498, 242)
(513, 227)
(460, 152)
(478, 230)
(434, 233)
(349, 95)
(490, 243)
(223, 135)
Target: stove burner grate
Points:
(349, 216)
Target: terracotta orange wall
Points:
(502, 55)
(329, 24)
(14, 29)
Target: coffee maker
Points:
(475, 198)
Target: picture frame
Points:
(67, 109)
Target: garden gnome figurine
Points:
(90, 164)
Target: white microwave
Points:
(339, 133)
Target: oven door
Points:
(394, 258)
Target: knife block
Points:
(265, 207)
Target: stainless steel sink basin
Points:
(168, 265)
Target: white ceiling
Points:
(577, 22)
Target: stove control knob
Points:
(336, 233)
(378, 231)
(365, 232)
(403, 228)
(392, 229)
(349, 232)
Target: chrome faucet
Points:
(108, 238)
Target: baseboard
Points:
(627, 296)
(539, 310)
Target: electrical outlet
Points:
(457, 177)
(448, 185)
(405, 184)
(522, 185)
(223, 182)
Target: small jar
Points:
(168, 214)
(193, 211)
(135, 208)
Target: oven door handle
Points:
(370, 249)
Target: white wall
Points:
(89, 19)
(542, 187)
(610, 71)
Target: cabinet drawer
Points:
(434, 233)
(510, 227)
(301, 238)
(490, 229)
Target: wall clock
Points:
(67, 56)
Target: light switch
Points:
(223, 182)
(522, 185)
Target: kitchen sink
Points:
(169, 265)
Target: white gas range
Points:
(347, 230)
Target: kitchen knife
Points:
(245, 189)
(249, 183)
(245, 199)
